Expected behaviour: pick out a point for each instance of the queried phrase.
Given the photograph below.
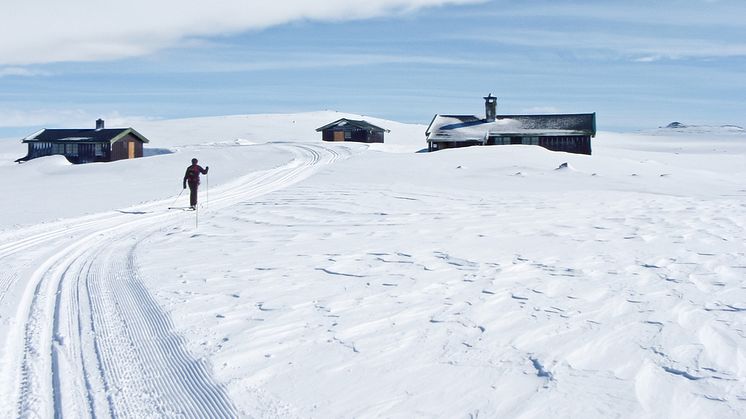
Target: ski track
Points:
(85, 337)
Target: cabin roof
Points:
(469, 127)
(351, 122)
(107, 135)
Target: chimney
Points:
(99, 124)
(490, 108)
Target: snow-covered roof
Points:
(471, 128)
(82, 135)
(353, 123)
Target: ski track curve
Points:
(85, 337)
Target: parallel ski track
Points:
(88, 339)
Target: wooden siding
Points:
(355, 135)
(570, 144)
(74, 152)
(120, 148)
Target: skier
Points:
(192, 177)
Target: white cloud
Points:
(648, 59)
(43, 31)
(21, 72)
(682, 13)
(644, 48)
(62, 118)
(294, 60)
(637, 30)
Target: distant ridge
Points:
(681, 128)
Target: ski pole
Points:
(207, 190)
(177, 198)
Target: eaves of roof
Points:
(83, 136)
(359, 124)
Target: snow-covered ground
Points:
(345, 280)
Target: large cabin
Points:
(571, 133)
(86, 145)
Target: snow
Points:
(350, 280)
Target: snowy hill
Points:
(226, 142)
(341, 280)
(678, 127)
(269, 127)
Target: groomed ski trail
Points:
(83, 337)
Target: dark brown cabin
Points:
(570, 133)
(86, 145)
(351, 130)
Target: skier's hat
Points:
(194, 161)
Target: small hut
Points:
(351, 130)
(86, 145)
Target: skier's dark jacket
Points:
(192, 174)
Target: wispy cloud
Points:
(22, 72)
(38, 31)
(318, 60)
(634, 47)
(636, 30)
(688, 13)
(61, 118)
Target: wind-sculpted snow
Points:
(82, 333)
(431, 291)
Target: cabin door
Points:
(131, 150)
(516, 140)
(339, 136)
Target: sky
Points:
(637, 64)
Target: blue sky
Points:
(637, 65)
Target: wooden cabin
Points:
(351, 130)
(86, 145)
(571, 133)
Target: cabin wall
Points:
(569, 144)
(92, 152)
(375, 137)
(359, 136)
(355, 135)
(327, 135)
(442, 145)
(74, 152)
(120, 149)
(39, 150)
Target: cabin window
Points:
(348, 135)
(72, 150)
(99, 150)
